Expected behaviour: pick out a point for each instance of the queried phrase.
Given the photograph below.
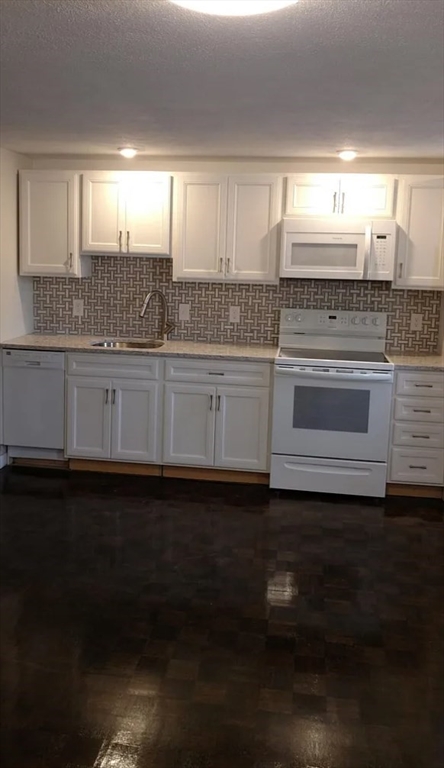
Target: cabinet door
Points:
(420, 255)
(312, 194)
(49, 223)
(199, 229)
(135, 420)
(242, 428)
(147, 198)
(189, 424)
(254, 211)
(88, 418)
(366, 194)
(104, 225)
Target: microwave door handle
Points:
(367, 251)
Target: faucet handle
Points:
(169, 327)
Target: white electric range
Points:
(331, 403)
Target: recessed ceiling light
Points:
(128, 152)
(234, 7)
(347, 154)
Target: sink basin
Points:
(112, 344)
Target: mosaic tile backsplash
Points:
(114, 293)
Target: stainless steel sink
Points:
(114, 344)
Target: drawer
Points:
(420, 435)
(419, 384)
(218, 372)
(419, 409)
(416, 466)
(115, 366)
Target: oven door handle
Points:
(333, 375)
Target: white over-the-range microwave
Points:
(350, 249)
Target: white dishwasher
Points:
(33, 398)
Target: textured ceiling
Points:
(86, 76)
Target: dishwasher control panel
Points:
(33, 358)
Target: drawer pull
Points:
(421, 410)
(421, 437)
(427, 386)
(215, 373)
(416, 466)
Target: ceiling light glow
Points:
(234, 7)
(347, 154)
(128, 152)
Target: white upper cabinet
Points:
(321, 194)
(225, 228)
(420, 255)
(254, 211)
(199, 229)
(126, 212)
(50, 224)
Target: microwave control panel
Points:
(381, 252)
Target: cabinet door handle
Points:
(211, 402)
(343, 202)
(127, 240)
(216, 373)
(228, 265)
(120, 239)
(421, 410)
(421, 437)
(218, 402)
(335, 196)
(400, 269)
(416, 466)
(70, 260)
(106, 396)
(221, 261)
(425, 386)
(113, 397)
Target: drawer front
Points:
(420, 435)
(115, 365)
(218, 372)
(419, 409)
(417, 384)
(416, 466)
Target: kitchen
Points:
(231, 273)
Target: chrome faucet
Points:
(166, 325)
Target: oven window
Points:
(331, 410)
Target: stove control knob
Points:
(289, 318)
(298, 318)
(355, 320)
(364, 321)
(376, 321)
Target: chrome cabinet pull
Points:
(228, 265)
(416, 466)
(343, 202)
(70, 260)
(221, 261)
(426, 386)
(211, 402)
(120, 239)
(216, 373)
(114, 397)
(106, 396)
(335, 195)
(127, 240)
(218, 402)
(421, 410)
(400, 269)
(421, 437)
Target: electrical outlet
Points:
(77, 307)
(416, 322)
(184, 312)
(234, 314)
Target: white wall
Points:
(16, 310)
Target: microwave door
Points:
(324, 255)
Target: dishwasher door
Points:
(33, 398)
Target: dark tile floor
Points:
(147, 623)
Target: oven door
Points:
(334, 255)
(331, 412)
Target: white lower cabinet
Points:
(113, 418)
(216, 426)
(417, 450)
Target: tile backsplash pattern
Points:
(114, 293)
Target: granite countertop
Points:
(418, 362)
(264, 353)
